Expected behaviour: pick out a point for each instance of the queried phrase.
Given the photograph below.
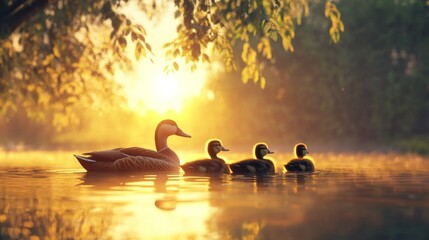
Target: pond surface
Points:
(351, 196)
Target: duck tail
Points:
(80, 158)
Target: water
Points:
(351, 196)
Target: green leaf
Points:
(266, 27)
(273, 35)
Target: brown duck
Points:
(137, 158)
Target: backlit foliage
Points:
(66, 52)
(252, 25)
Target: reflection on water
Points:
(349, 197)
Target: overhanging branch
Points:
(17, 13)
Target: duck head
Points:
(301, 150)
(214, 147)
(165, 129)
(261, 150)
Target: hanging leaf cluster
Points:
(252, 24)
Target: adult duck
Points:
(137, 158)
(260, 165)
(213, 165)
(300, 164)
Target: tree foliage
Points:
(253, 24)
(369, 90)
(53, 53)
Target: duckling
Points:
(260, 165)
(300, 164)
(212, 165)
(137, 158)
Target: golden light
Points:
(147, 87)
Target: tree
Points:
(49, 59)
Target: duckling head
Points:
(261, 150)
(214, 147)
(301, 150)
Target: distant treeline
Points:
(369, 90)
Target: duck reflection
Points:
(110, 181)
(299, 182)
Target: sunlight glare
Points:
(146, 86)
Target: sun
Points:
(147, 87)
(166, 88)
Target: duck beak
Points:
(269, 151)
(181, 133)
(224, 149)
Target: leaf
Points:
(263, 82)
(245, 75)
(127, 31)
(176, 66)
(47, 59)
(206, 58)
(138, 50)
(148, 47)
(177, 14)
(266, 27)
(56, 51)
(273, 35)
(245, 52)
(122, 42)
(256, 76)
(286, 43)
(133, 36)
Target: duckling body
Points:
(260, 165)
(213, 165)
(300, 164)
(137, 158)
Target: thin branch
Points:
(12, 21)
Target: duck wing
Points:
(95, 166)
(118, 153)
(250, 166)
(137, 151)
(105, 156)
(299, 165)
(144, 163)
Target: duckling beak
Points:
(224, 149)
(181, 133)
